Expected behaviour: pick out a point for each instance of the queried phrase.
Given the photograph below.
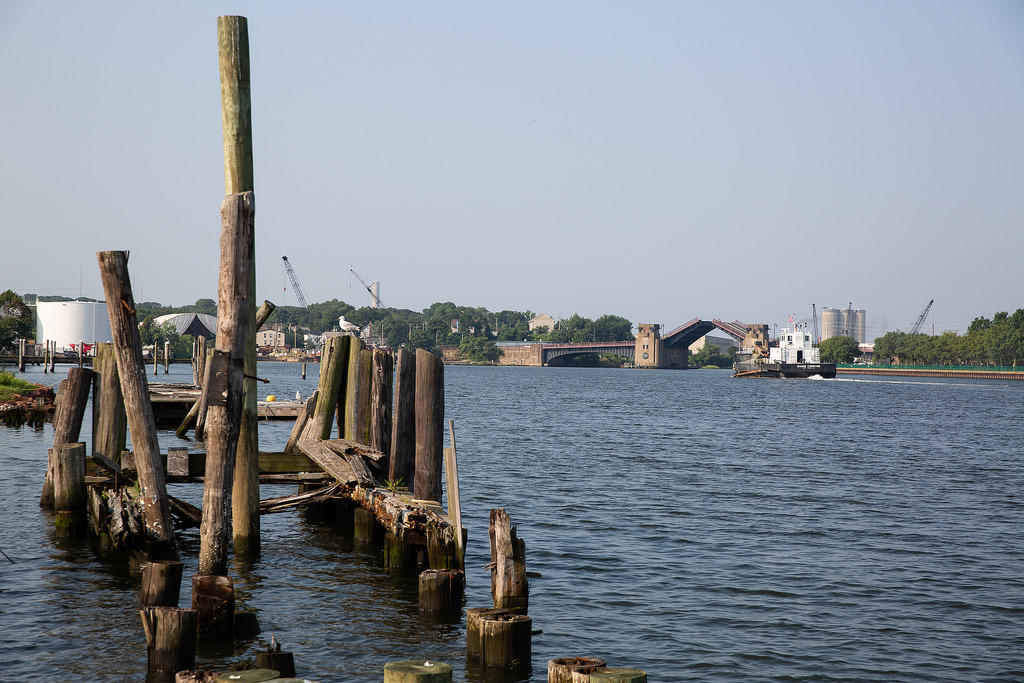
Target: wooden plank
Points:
(331, 463)
(451, 473)
(302, 421)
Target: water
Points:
(691, 524)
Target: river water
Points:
(696, 526)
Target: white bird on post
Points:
(346, 326)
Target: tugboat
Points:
(795, 357)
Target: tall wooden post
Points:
(131, 372)
(21, 355)
(155, 357)
(224, 411)
(429, 425)
(109, 422)
(199, 361)
(72, 396)
(81, 360)
(167, 356)
(46, 357)
(380, 400)
(236, 117)
(351, 421)
(402, 462)
(333, 366)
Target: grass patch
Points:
(11, 386)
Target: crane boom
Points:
(296, 287)
(374, 295)
(920, 319)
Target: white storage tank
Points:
(70, 322)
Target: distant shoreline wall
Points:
(931, 372)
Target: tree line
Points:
(474, 330)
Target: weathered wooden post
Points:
(333, 365)
(560, 670)
(402, 461)
(213, 599)
(474, 616)
(72, 397)
(301, 421)
(156, 357)
(303, 371)
(353, 421)
(170, 641)
(429, 425)
(380, 401)
(451, 473)
(225, 386)
(167, 356)
(203, 401)
(135, 389)
(509, 586)
(441, 590)
(81, 360)
(417, 671)
(276, 660)
(69, 500)
(53, 355)
(161, 583)
(236, 117)
(506, 641)
(21, 355)
(109, 422)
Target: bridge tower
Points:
(648, 346)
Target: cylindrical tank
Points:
(70, 322)
(859, 329)
(831, 322)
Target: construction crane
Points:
(296, 287)
(373, 289)
(920, 319)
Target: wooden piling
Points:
(399, 556)
(451, 473)
(53, 355)
(303, 371)
(429, 425)
(170, 640)
(21, 355)
(236, 117)
(333, 368)
(72, 395)
(560, 670)
(402, 460)
(204, 400)
(474, 615)
(364, 525)
(199, 360)
(417, 671)
(353, 421)
(69, 499)
(177, 462)
(282, 662)
(167, 357)
(441, 590)
(155, 358)
(618, 675)
(301, 421)
(225, 388)
(506, 641)
(81, 347)
(380, 400)
(135, 389)
(161, 583)
(109, 422)
(213, 599)
(509, 586)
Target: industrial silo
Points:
(831, 322)
(858, 326)
(70, 322)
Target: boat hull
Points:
(761, 368)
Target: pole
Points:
(135, 389)
(236, 117)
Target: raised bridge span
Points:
(649, 349)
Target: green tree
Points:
(838, 350)
(479, 350)
(16, 319)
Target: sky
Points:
(656, 160)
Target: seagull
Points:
(346, 326)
